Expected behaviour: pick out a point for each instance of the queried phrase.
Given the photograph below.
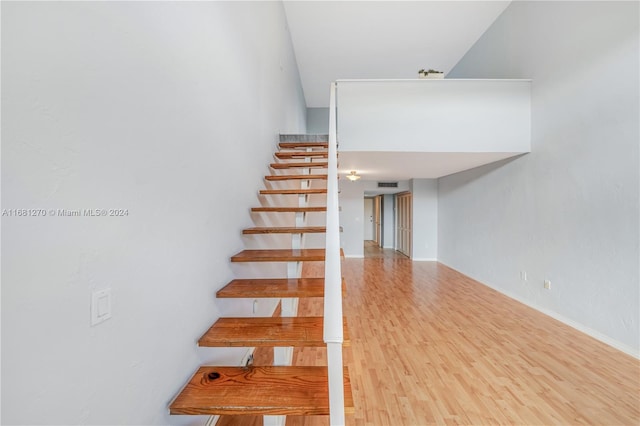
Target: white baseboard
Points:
(389, 247)
(354, 256)
(426, 259)
(567, 321)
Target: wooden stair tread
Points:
(289, 209)
(274, 287)
(281, 255)
(284, 155)
(293, 191)
(322, 164)
(294, 145)
(295, 177)
(270, 390)
(267, 331)
(286, 230)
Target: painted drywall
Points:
(169, 111)
(351, 199)
(425, 219)
(567, 212)
(318, 120)
(389, 222)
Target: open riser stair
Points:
(280, 389)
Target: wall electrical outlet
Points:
(523, 275)
(547, 284)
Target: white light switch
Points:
(100, 306)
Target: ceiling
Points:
(336, 40)
(396, 166)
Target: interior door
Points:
(377, 219)
(368, 219)
(404, 221)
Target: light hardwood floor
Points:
(432, 346)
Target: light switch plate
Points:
(100, 306)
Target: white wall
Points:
(318, 120)
(567, 212)
(425, 218)
(351, 217)
(170, 110)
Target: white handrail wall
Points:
(333, 327)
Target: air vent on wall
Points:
(387, 184)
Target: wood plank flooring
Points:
(432, 346)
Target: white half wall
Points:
(167, 110)
(569, 211)
(425, 219)
(352, 217)
(447, 116)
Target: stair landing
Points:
(271, 390)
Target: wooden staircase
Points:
(272, 390)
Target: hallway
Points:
(372, 251)
(432, 346)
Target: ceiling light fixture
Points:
(353, 176)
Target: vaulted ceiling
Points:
(381, 39)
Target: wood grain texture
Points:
(288, 209)
(432, 346)
(279, 255)
(266, 331)
(266, 390)
(298, 145)
(293, 191)
(274, 288)
(301, 154)
(292, 165)
(295, 177)
(285, 230)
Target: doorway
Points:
(373, 228)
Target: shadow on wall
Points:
(459, 180)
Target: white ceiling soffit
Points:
(396, 166)
(381, 39)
